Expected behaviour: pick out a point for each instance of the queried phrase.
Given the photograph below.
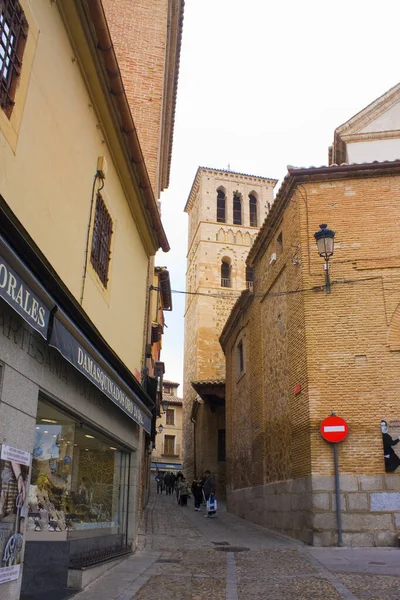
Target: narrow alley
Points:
(184, 556)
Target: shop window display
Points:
(79, 479)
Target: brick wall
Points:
(343, 350)
(139, 32)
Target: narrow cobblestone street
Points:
(184, 556)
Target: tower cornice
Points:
(226, 174)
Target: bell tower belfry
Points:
(226, 210)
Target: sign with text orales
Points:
(22, 299)
(108, 381)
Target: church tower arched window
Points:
(253, 210)
(237, 209)
(226, 273)
(221, 207)
(249, 278)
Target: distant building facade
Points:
(371, 134)
(295, 354)
(167, 452)
(226, 210)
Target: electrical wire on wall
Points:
(97, 176)
(315, 288)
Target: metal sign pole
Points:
(337, 487)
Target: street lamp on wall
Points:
(325, 244)
(165, 405)
(160, 428)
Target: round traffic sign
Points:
(334, 429)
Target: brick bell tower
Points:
(226, 210)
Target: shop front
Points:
(75, 426)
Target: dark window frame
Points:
(170, 416)
(169, 440)
(101, 240)
(253, 210)
(237, 209)
(13, 36)
(221, 206)
(226, 274)
(240, 358)
(221, 449)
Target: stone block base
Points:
(305, 509)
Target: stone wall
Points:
(208, 305)
(305, 509)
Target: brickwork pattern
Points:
(139, 32)
(206, 313)
(342, 349)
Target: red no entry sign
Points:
(334, 429)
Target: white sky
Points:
(263, 84)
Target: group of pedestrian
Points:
(202, 488)
(166, 481)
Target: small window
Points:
(237, 209)
(170, 418)
(249, 278)
(169, 445)
(221, 445)
(279, 244)
(225, 274)
(13, 34)
(239, 358)
(253, 210)
(101, 241)
(221, 207)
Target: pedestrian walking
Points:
(209, 484)
(183, 492)
(160, 482)
(167, 483)
(197, 491)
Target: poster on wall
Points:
(14, 478)
(391, 445)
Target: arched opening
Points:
(226, 273)
(249, 278)
(237, 209)
(221, 206)
(253, 210)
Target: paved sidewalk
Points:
(184, 556)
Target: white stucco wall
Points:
(368, 151)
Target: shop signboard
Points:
(108, 381)
(15, 291)
(14, 477)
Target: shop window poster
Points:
(14, 478)
(391, 445)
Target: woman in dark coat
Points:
(197, 491)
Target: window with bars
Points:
(13, 34)
(225, 274)
(101, 241)
(170, 417)
(253, 210)
(249, 278)
(237, 209)
(169, 445)
(221, 207)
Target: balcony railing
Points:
(225, 282)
